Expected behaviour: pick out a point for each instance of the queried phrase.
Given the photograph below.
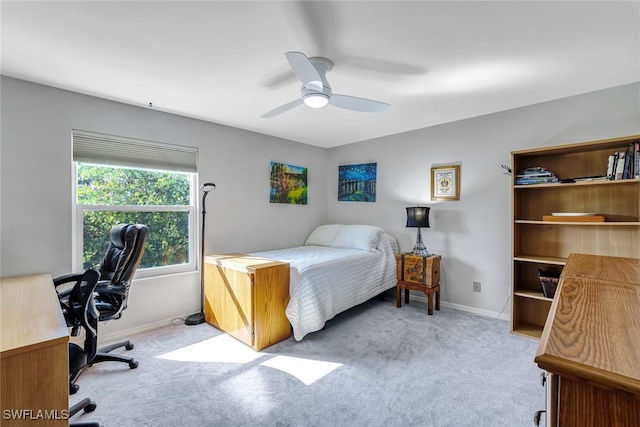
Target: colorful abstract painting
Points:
(288, 184)
(357, 183)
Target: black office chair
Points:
(116, 274)
(117, 269)
(80, 312)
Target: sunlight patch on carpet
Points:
(306, 370)
(220, 349)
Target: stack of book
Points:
(536, 175)
(625, 164)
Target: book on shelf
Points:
(624, 164)
(614, 165)
(536, 180)
(627, 172)
(525, 173)
(611, 169)
(636, 156)
(535, 175)
(620, 165)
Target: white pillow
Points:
(323, 235)
(363, 237)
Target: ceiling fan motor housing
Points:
(312, 97)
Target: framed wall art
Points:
(288, 184)
(357, 183)
(445, 182)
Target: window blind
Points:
(91, 147)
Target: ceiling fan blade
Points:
(380, 66)
(279, 79)
(358, 104)
(305, 70)
(282, 109)
(320, 23)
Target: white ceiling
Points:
(223, 61)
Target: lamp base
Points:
(419, 248)
(195, 319)
(421, 252)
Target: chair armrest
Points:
(110, 300)
(63, 294)
(105, 287)
(72, 277)
(67, 278)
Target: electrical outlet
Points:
(476, 286)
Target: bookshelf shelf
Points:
(532, 294)
(582, 224)
(546, 245)
(540, 259)
(560, 185)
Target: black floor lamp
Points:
(198, 318)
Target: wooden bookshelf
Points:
(546, 245)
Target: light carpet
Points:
(374, 365)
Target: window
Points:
(162, 198)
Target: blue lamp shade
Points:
(418, 216)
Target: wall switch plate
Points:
(476, 286)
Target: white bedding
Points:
(326, 281)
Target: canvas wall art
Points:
(357, 183)
(288, 184)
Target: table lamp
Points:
(418, 216)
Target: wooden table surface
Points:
(34, 353)
(595, 330)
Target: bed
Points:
(338, 267)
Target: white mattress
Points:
(326, 281)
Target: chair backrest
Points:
(124, 253)
(119, 265)
(81, 310)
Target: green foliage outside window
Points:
(168, 236)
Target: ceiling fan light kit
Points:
(316, 100)
(316, 91)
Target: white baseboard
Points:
(491, 315)
(124, 334)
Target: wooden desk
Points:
(590, 345)
(34, 354)
(246, 297)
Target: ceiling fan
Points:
(316, 91)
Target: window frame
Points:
(78, 235)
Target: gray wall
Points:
(473, 234)
(36, 182)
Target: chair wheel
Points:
(129, 346)
(90, 407)
(133, 364)
(73, 388)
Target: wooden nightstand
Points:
(419, 273)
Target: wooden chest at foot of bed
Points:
(246, 297)
(412, 268)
